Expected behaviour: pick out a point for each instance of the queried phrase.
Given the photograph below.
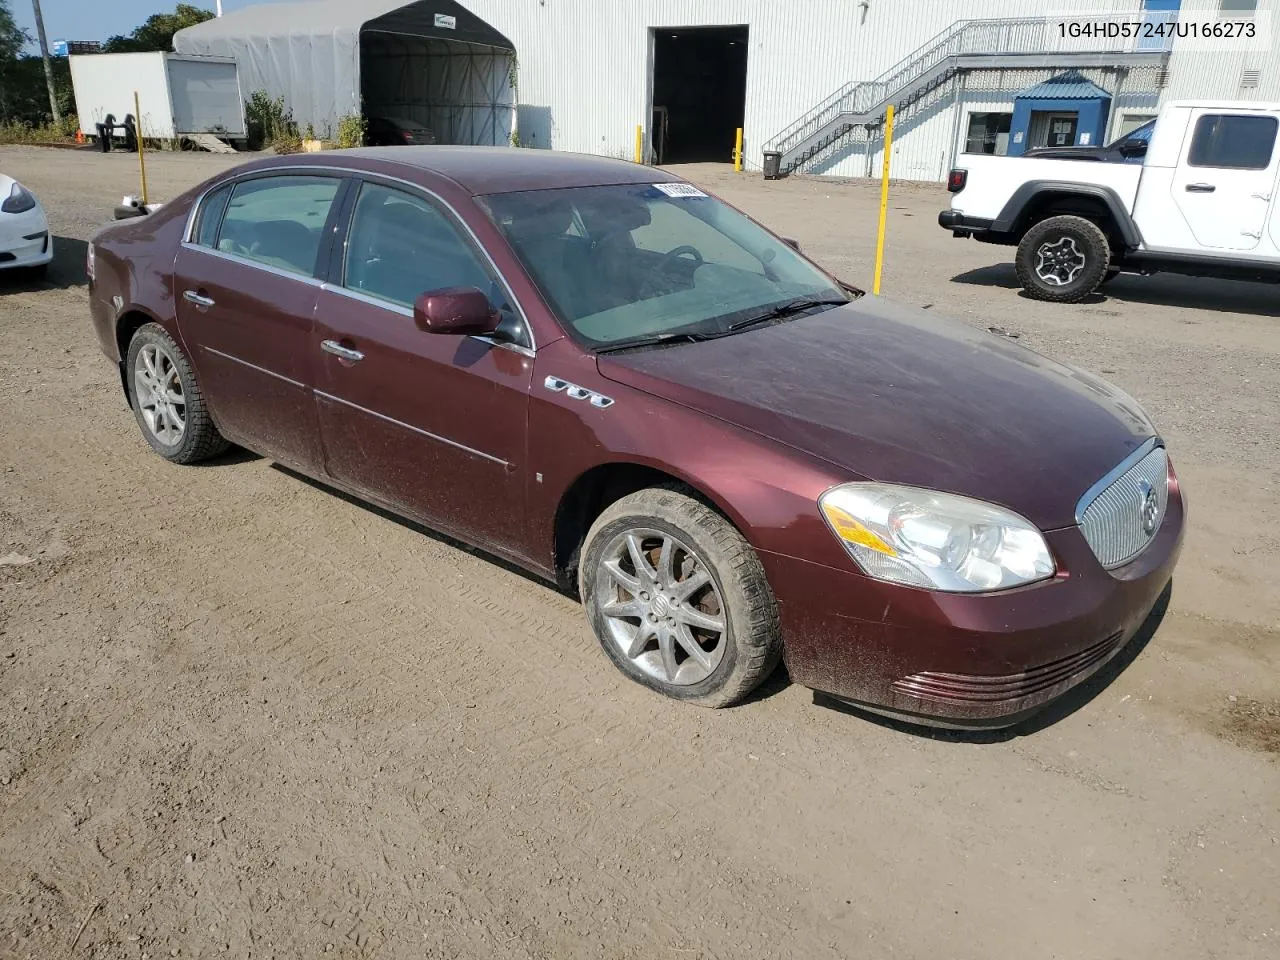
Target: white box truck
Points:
(180, 95)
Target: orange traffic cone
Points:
(80, 136)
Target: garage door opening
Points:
(436, 70)
(699, 92)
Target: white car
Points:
(25, 241)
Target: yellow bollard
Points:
(137, 126)
(737, 152)
(884, 197)
(639, 144)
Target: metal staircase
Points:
(966, 45)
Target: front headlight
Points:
(20, 200)
(923, 538)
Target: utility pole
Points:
(219, 7)
(48, 67)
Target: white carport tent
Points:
(434, 62)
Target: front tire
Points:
(1063, 259)
(678, 599)
(166, 399)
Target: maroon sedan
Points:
(599, 372)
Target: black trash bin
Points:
(772, 165)
(130, 134)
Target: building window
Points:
(1233, 142)
(1132, 121)
(1237, 8)
(988, 133)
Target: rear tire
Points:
(698, 621)
(1063, 259)
(166, 399)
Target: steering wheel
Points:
(678, 252)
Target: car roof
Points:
(1251, 106)
(484, 170)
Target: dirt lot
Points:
(241, 715)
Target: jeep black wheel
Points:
(1063, 259)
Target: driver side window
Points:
(400, 246)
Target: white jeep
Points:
(1204, 202)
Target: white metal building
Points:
(806, 79)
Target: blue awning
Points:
(1071, 85)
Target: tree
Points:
(156, 33)
(12, 39)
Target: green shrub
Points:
(351, 130)
(26, 133)
(267, 120)
(287, 142)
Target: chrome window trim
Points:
(418, 430)
(1113, 475)
(254, 366)
(400, 309)
(349, 173)
(246, 262)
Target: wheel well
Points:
(1090, 208)
(126, 326)
(590, 495)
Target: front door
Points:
(433, 426)
(1062, 130)
(246, 293)
(1225, 178)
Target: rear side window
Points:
(401, 246)
(278, 221)
(1233, 142)
(210, 216)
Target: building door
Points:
(700, 77)
(1226, 176)
(1062, 130)
(1155, 14)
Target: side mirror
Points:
(793, 244)
(1133, 148)
(460, 311)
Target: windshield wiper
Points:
(790, 308)
(651, 340)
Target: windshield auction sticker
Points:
(679, 189)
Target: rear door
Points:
(1225, 176)
(246, 285)
(433, 426)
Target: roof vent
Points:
(1250, 78)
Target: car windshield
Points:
(1138, 133)
(638, 262)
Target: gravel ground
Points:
(241, 715)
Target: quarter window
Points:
(401, 246)
(1233, 141)
(210, 217)
(278, 221)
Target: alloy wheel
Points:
(157, 390)
(1059, 262)
(662, 607)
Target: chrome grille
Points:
(1121, 514)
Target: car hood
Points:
(897, 394)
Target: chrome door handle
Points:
(198, 299)
(338, 350)
(1200, 188)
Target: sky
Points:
(99, 19)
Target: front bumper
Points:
(968, 660)
(961, 225)
(25, 240)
